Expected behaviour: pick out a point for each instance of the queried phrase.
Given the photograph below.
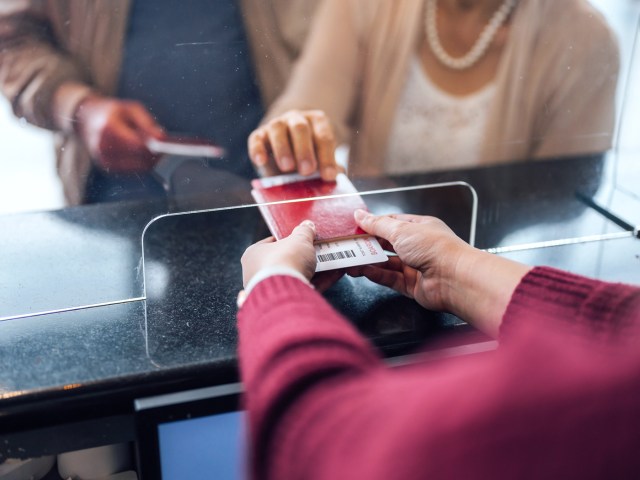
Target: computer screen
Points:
(195, 434)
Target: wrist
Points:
(483, 289)
(66, 100)
(85, 106)
(457, 278)
(267, 272)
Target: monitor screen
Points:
(195, 434)
(203, 447)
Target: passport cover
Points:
(333, 217)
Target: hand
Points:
(428, 252)
(296, 252)
(440, 271)
(300, 141)
(115, 133)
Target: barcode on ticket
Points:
(348, 253)
(336, 256)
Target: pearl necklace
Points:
(479, 48)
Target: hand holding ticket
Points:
(339, 242)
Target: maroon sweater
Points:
(560, 397)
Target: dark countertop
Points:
(121, 328)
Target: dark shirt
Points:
(189, 63)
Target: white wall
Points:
(28, 181)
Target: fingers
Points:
(382, 226)
(391, 278)
(142, 121)
(300, 141)
(266, 240)
(306, 231)
(325, 144)
(118, 134)
(407, 217)
(278, 134)
(257, 144)
(393, 264)
(303, 143)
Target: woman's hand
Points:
(428, 254)
(299, 140)
(115, 132)
(441, 271)
(296, 252)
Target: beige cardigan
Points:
(556, 81)
(54, 52)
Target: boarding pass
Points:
(349, 252)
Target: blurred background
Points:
(28, 180)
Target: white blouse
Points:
(434, 129)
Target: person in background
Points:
(106, 75)
(557, 399)
(418, 85)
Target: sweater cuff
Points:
(270, 272)
(66, 100)
(551, 298)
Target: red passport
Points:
(333, 217)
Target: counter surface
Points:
(120, 327)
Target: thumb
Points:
(305, 231)
(141, 120)
(380, 226)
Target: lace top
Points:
(434, 129)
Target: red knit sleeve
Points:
(290, 341)
(548, 298)
(321, 405)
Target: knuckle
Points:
(256, 138)
(325, 136)
(277, 124)
(299, 127)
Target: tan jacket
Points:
(556, 81)
(54, 52)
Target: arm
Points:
(315, 111)
(50, 89)
(585, 308)
(441, 271)
(291, 343)
(321, 405)
(43, 84)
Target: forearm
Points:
(480, 288)
(326, 76)
(582, 307)
(291, 341)
(35, 75)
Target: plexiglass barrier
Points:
(192, 273)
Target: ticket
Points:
(349, 252)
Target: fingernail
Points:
(306, 167)
(309, 223)
(330, 173)
(360, 214)
(287, 163)
(261, 160)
